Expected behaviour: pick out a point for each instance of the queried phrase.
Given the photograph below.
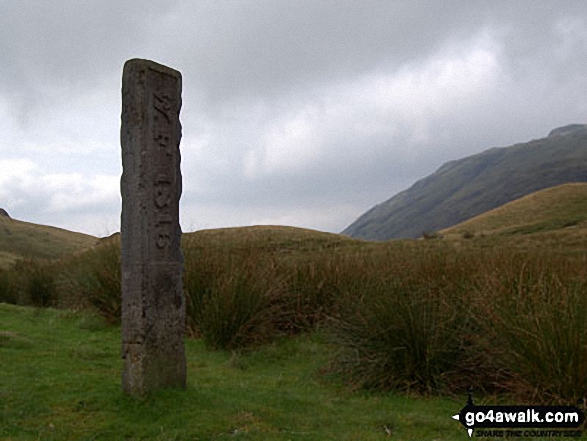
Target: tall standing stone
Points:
(153, 305)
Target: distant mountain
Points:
(462, 189)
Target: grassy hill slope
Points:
(265, 238)
(550, 219)
(275, 238)
(551, 209)
(20, 239)
(462, 189)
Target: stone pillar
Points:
(153, 305)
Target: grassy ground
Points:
(499, 305)
(60, 380)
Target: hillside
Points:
(553, 219)
(556, 208)
(462, 189)
(20, 239)
(280, 239)
(276, 238)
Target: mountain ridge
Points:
(463, 188)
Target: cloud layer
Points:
(303, 113)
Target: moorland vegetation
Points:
(497, 303)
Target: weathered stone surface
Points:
(153, 306)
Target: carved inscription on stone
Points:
(153, 307)
(164, 178)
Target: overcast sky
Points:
(299, 112)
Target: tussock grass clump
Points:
(253, 294)
(467, 234)
(103, 281)
(502, 322)
(93, 279)
(393, 338)
(533, 320)
(8, 293)
(232, 300)
(312, 290)
(401, 329)
(35, 282)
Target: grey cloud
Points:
(315, 107)
(267, 48)
(248, 50)
(52, 46)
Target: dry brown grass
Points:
(544, 211)
(20, 240)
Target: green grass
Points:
(60, 380)
(404, 315)
(325, 331)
